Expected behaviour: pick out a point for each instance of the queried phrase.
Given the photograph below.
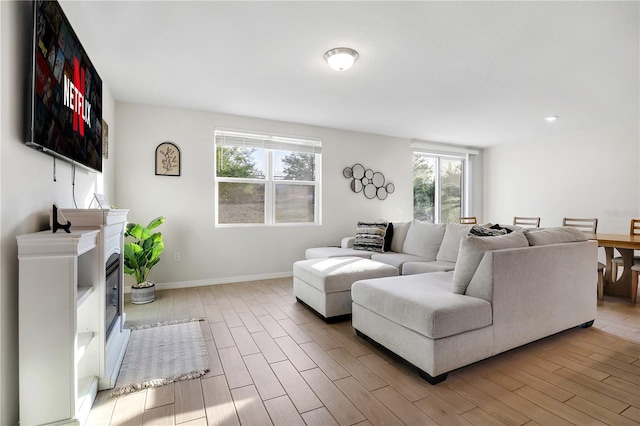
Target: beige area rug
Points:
(160, 354)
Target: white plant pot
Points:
(142, 295)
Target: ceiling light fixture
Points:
(552, 118)
(341, 58)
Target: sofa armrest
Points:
(347, 242)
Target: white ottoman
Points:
(325, 284)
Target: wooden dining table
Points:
(625, 244)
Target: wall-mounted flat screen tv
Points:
(66, 92)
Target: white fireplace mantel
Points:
(111, 223)
(66, 355)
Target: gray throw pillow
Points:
(560, 234)
(424, 239)
(399, 234)
(448, 251)
(472, 249)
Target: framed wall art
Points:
(167, 159)
(102, 201)
(105, 139)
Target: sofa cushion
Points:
(410, 268)
(423, 303)
(396, 259)
(424, 239)
(472, 249)
(370, 236)
(450, 246)
(324, 252)
(399, 234)
(561, 234)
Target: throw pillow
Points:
(388, 237)
(560, 234)
(400, 230)
(482, 231)
(370, 236)
(472, 249)
(506, 229)
(424, 239)
(448, 251)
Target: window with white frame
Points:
(440, 183)
(266, 179)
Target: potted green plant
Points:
(142, 249)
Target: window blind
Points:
(441, 150)
(253, 140)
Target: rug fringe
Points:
(158, 382)
(160, 324)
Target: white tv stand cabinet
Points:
(65, 356)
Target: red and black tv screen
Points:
(67, 91)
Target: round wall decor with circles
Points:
(371, 184)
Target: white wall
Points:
(3, 389)
(27, 187)
(588, 173)
(213, 255)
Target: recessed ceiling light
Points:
(551, 118)
(341, 58)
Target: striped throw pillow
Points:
(370, 236)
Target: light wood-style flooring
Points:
(274, 362)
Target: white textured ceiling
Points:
(470, 73)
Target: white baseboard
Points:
(216, 281)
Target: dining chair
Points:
(585, 225)
(617, 261)
(526, 221)
(588, 225)
(635, 272)
(470, 220)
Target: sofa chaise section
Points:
(513, 297)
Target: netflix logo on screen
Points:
(73, 95)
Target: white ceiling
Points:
(470, 73)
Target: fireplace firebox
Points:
(112, 288)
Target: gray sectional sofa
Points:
(416, 247)
(502, 292)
